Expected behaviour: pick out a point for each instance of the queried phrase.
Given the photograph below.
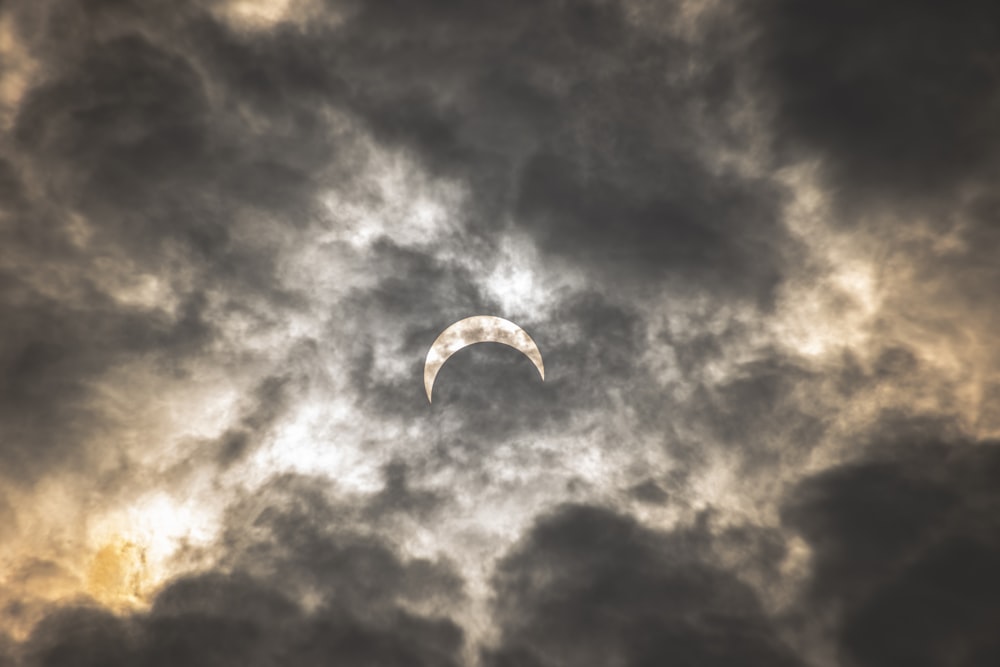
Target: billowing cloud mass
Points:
(756, 244)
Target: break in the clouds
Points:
(755, 244)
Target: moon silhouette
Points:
(478, 329)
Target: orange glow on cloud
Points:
(119, 574)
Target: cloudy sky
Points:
(757, 243)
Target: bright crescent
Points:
(478, 329)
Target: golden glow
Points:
(260, 13)
(17, 72)
(118, 574)
(134, 549)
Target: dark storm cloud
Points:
(226, 638)
(253, 613)
(52, 348)
(563, 116)
(312, 544)
(120, 131)
(591, 587)
(899, 99)
(220, 620)
(164, 128)
(133, 141)
(900, 104)
(906, 546)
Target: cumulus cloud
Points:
(298, 590)
(592, 587)
(904, 545)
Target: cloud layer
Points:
(755, 245)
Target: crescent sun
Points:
(478, 329)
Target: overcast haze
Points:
(757, 244)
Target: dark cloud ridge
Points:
(588, 586)
(905, 549)
(254, 610)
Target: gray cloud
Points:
(562, 117)
(227, 240)
(898, 99)
(898, 105)
(591, 587)
(905, 545)
(300, 590)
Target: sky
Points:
(756, 244)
